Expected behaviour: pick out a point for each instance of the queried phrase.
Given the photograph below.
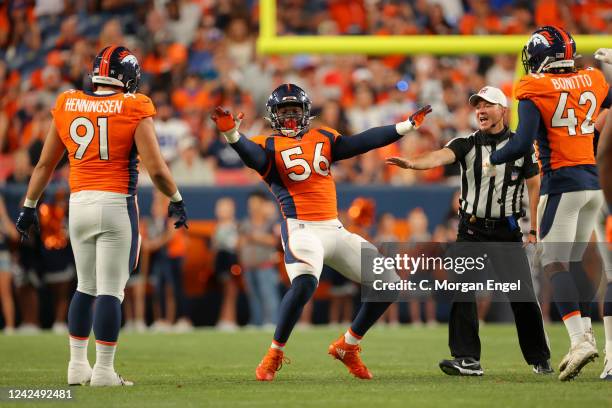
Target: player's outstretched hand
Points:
(418, 117)
(177, 210)
(604, 55)
(399, 162)
(225, 121)
(27, 219)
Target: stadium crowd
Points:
(195, 55)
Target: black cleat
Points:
(461, 366)
(543, 368)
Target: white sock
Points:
(78, 349)
(608, 330)
(277, 345)
(351, 338)
(105, 355)
(574, 328)
(586, 323)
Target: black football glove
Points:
(28, 217)
(178, 211)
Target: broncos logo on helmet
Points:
(549, 48)
(289, 124)
(116, 66)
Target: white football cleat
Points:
(79, 373)
(590, 336)
(102, 377)
(606, 374)
(579, 356)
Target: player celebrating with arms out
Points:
(103, 132)
(557, 107)
(295, 163)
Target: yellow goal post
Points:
(270, 43)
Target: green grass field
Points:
(208, 368)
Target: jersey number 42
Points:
(570, 121)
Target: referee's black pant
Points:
(510, 263)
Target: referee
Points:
(490, 208)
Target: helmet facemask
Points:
(289, 118)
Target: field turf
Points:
(209, 368)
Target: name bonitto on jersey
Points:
(572, 82)
(89, 105)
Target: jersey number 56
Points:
(317, 161)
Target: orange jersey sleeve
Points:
(98, 132)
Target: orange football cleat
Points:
(271, 363)
(349, 355)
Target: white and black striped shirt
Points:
(491, 197)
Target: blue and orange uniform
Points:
(298, 170)
(98, 132)
(558, 111)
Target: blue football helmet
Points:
(289, 124)
(549, 49)
(116, 66)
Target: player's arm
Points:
(533, 190)
(522, 141)
(253, 155)
(531, 172)
(427, 161)
(454, 150)
(148, 149)
(52, 152)
(347, 147)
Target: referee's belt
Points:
(491, 223)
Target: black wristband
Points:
(533, 232)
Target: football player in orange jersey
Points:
(557, 107)
(295, 163)
(104, 132)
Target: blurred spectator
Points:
(480, 19)
(111, 34)
(7, 233)
(423, 303)
(385, 237)
(418, 225)
(190, 169)
(171, 131)
(239, 43)
(258, 257)
(22, 168)
(226, 268)
(167, 249)
(183, 18)
(53, 85)
(364, 114)
(57, 261)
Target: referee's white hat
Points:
(491, 95)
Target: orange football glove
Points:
(418, 117)
(224, 120)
